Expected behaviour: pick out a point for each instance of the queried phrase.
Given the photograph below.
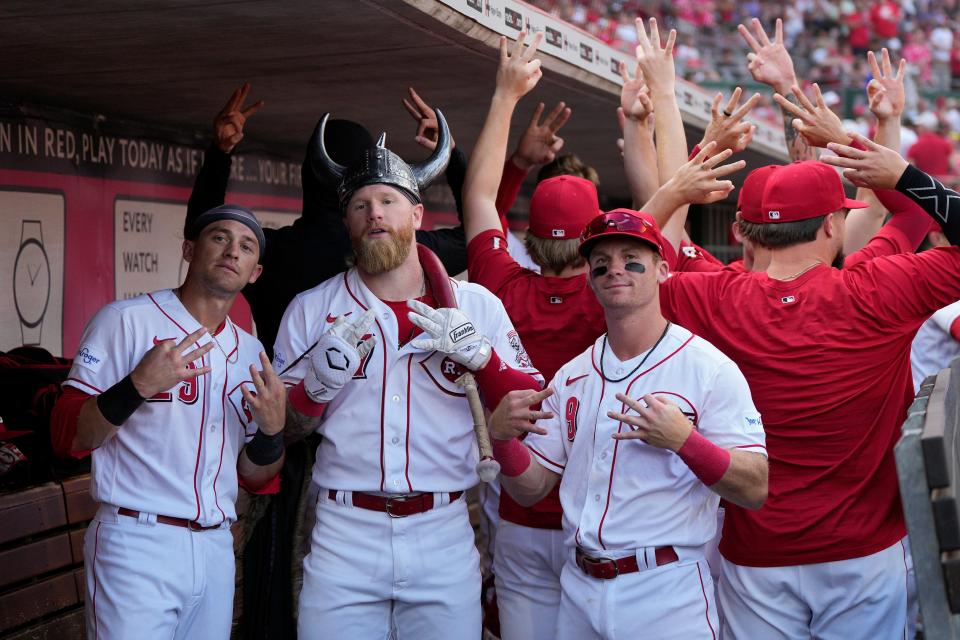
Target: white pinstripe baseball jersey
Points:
(402, 424)
(628, 494)
(177, 454)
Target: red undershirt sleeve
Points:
(905, 231)
(64, 422)
(955, 328)
(497, 379)
(272, 486)
(510, 183)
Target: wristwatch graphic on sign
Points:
(31, 281)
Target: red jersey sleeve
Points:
(64, 422)
(902, 234)
(694, 258)
(489, 264)
(907, 288)
(510, 183)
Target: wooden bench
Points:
(41, 552)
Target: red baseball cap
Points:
(804, 190)
(561, 206)
(621, 222)
(749, 202)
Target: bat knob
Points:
(488, 469)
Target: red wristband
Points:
(513, 456)
(707, 461)
(300, 401)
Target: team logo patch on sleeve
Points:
(752, 423)
(90, 357)
(523, 361)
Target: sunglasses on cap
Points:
(622, 223)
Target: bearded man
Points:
(392, 548)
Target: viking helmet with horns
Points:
(379, 165)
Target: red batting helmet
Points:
(621, 222)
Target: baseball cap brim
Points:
(850, 203)
(587, 246)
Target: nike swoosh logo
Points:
(570, 381)
(157, 340)
(332, 318)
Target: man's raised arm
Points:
(517, 74)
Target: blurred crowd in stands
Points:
(827, 40)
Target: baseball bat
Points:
(488, 469)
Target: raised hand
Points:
(337, 356)
(268, 401)
(635, 102)
(426, 119)
(769, 63)
(698, 181)
(539, 143)
(656, 60)
(229, 123)
(656, 421)
(815, 122)
(451, 332)
(516, 416)
(169, 363)
(885, 91)
(519, 71)
(726, 127)
(874, 167)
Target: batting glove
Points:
(337, 355)
(452, 333)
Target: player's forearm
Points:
(303, 415)
(863, 224)
(531, 486)
(933, 197)
(671, 144)
(745, 481)
(254, 475)
(484, 168)
(92, 428)
(666, 204)
(640, 161)
(888, 133)
(797, 146)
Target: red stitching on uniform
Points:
(203, 417)
(223, 439)
(640, 375)
(540, 455)
(383, 400)
(96, 545)
(706, 603)
(150, 295)
(409, 375)
(86, 384)
(346, 283)
(616, 445)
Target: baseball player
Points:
(165, 391)
(392, 548)
(828, 541)
(530, 553)
(645, 430)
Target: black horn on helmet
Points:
(379, 165)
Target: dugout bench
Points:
(928, 466)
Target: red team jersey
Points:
(557, 319)
(827, 356)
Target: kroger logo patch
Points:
(90, 357)
(463, 331)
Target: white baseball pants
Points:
(368, 575)
(157, 581)
(527, 567)
(669, 602)
(861, 598)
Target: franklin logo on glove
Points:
(461, 332)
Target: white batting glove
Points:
(336, 357)
(452, 333)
